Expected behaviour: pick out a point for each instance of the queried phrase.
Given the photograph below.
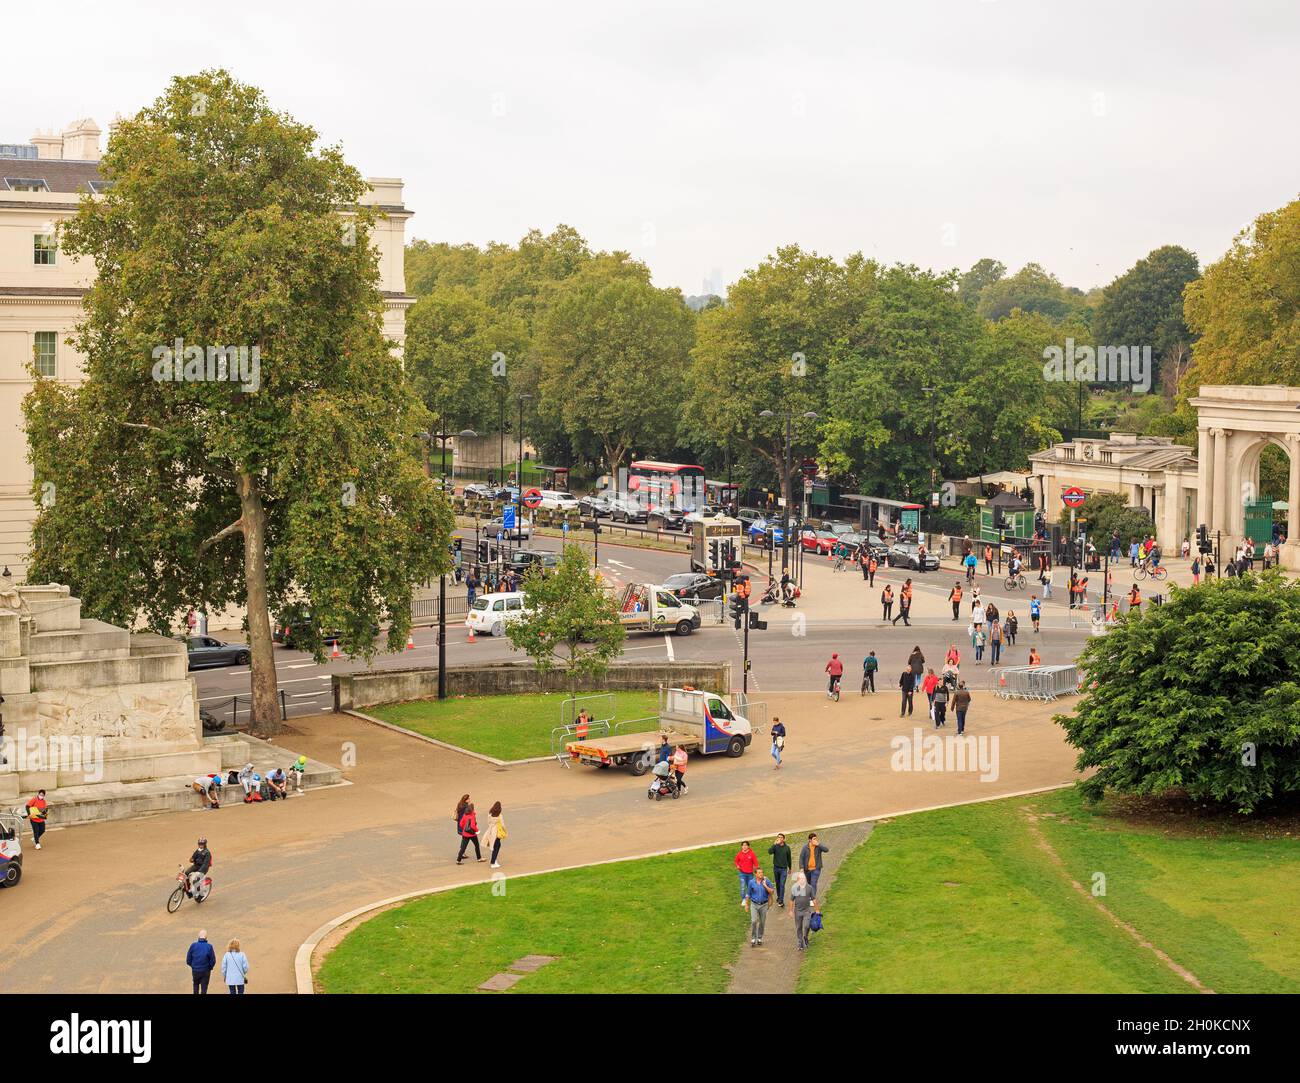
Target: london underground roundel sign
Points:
(1072, 497)
(532, 498)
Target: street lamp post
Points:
(442, 438)
(786, 484)
(519, 475)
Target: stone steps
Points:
(93, 639)
(79, 804)
(97, 672)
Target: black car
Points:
(694, 585)
(523, 559)
(205, 653)
(908, 556)
(481, 491)
(665, 518)
(596, 506)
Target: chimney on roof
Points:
(81, 140)
(48, 145)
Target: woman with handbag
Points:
(468, 829)
(234, 969)
(496, 831)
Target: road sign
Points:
(809, 468)
(532, 498)
(501, 535)
(1072, 497)
(508, 517)
(565, 527)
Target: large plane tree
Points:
(244, 433)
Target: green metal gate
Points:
(1259, 520)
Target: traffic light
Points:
(999, 518)
(483, 557)
(456, 544)
(754, 622)
(715, 554)
(1203, 539)
(739, 606)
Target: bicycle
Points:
(838, 566)
(1155, 571)
(197, 889)
(1015, 582)
(834, 692)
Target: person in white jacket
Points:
(496, 831)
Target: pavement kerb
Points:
(443, 744)
(307, 949)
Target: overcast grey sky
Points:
(702, 136)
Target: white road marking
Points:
(300, 680)
(668, 642)
(301, 665)
(620, 564)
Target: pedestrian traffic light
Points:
(483, 557)
(1203, 539)
(755, 623)
(715, 554)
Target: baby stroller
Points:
(663, 784)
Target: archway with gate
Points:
(1235, 424)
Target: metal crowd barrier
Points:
(1035, 682)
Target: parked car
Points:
(596, 506)
(523, 529)
(296, 629)
(764, 532)
(666, 518)
(490, 613)
(847, 544)
(523, 559)
(694, 585)
(704, 511)
(206, 653)
(480, 491)
(818, 541)
(906, 555)
(555, 500)
(627, 510)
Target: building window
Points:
(26, 184)
(47, 346)
(44, 249)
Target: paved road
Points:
(838, 612)
(90, 916)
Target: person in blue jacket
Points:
(201, 960)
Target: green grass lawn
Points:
(507, 727)
(660, 925)
(955, 900)
(964, 899)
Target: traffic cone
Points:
(470, 637)
(410, 641)
(335, 653)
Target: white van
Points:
(554, 500)
(491, 612)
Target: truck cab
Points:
(707, 715)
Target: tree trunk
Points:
(266, 706)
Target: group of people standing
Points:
(757, 891)
(201, 958)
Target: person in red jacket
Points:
(836, 670)
(468, 833)
(746, 863)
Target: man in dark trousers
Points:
(780, 866)
(201, 960)
(954, 596)
(810, 860)
(907, 684)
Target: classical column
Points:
(1293, 494)
(1222, 508)
(1204, 478)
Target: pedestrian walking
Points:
(778, 741)
(761, 890)
(961, 704)
(495, 833)
(1011, 627)
(940, 706)
(1045, 578)
(907, 685)
(869, 666)
(887, 601)
(916, 663)
(201, 960)
(234, 968)
(864, 562)
(461, 806)
(872, 566)
(928, 686)
(1134, 600)
(995, 641)
(988, 560)
(469, 833)
(1035, 611)
(979, 644)
(954, 596)
(977, 616)
(904, 604)
(810, 861)
(1196, 570)
(804, 905)
(781, 862)
(746, 861)
(679, 766)
(37, 812)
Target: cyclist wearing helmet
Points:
(836, 670)
(200, 863)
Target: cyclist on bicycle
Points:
(200, 863)
(836, 670)
(1015, 565)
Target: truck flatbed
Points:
(621, 749)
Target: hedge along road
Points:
(90, 912)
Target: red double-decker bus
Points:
(680, 485)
